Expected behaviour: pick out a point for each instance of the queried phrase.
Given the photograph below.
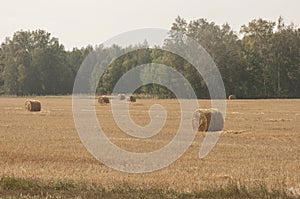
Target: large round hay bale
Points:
(121, 96)
(208, 120)
(232, 97)
(131, 98)
(33, 105)
(103, 100)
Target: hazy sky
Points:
(79, 23)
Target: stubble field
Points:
(260, 144)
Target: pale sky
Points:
(79, 23)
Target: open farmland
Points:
(260, 144)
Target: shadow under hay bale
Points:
(103, 100)
(232, 97)
(131, 98)
(208, 120)
(33, 105)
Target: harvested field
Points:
(260, 143)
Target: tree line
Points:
(262, 60)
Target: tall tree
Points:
(255, 51)
(284, 60)
(34, 63)
(222, 44)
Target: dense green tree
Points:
(261, 62)
(223, 46)
(76, 57)
(15, 60)
(1, 73)
(34, 63)
(284, 61)
(255, 51)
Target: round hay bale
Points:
(33, 105)
(131, 98)
(121, 96)
(208, 120)
(103, 100)
(232, 97)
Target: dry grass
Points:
(260, 144)
(30, 188)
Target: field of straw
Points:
(260, 144)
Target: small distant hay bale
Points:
(33, 105)
(131, 98)
(208, 120)
(121, 96)
(103, 100)
(232, 97)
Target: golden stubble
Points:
(260, 144)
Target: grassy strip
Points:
(29, 188)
